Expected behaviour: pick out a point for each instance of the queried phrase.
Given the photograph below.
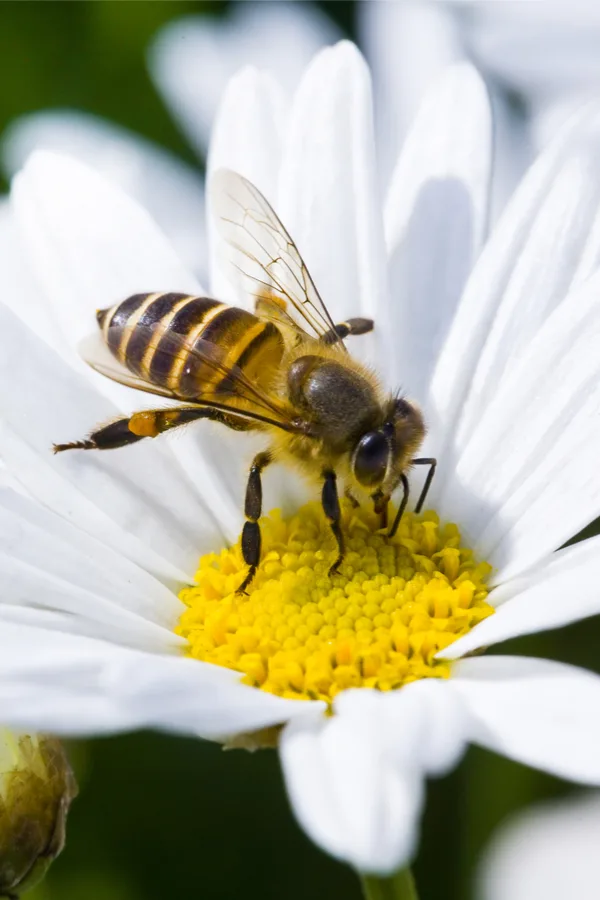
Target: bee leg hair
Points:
(251, 540)
(331, 507)
(402, 506)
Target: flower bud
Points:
(36, 788)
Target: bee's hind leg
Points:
(331, 508)
(251, 539)
(150, 423)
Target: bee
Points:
(283, 370)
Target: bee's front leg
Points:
(251, 540)
(331, 508)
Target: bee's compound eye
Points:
(371, 459)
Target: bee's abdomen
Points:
(140, 331)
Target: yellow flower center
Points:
(377, 623)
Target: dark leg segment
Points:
(347, 328)
(402, 506)
(252, 510)
(150, 423)
(331, 508)
(432, 463)
(380, 507)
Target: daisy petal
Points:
(193, 59)
(408, 45)
(47, 563)
(246, 138)
(170, 190)
(549, 851)
(89, 244)
(348, 793)
(547, 240)
(435, 220)
(565, 590)
(69, 684)
(329, 198)
(117, 497)
(524, 478)
(20, 291)
(537, 712)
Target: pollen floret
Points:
(377, 623)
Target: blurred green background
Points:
(161, 817)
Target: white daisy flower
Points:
(549, 851)
(500, 348)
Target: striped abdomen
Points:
(139, 332)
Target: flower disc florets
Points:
(303, 634)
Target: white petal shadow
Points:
(407, 45)
(525, 479)
(435, 220)
(546, 241)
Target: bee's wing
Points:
(262, 255)
(96, 354)
(211, 379)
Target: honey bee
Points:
(283, 370)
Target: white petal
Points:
(347, 791)
(46, 563)
(170, 190)
(525, 480)
(246, 138)
(435, 219)
(90, 244)
(549, 851)
(407, 45)
(134, 501)
(546, 241)
(329, 195)
(193, 58)
(20, 290)
(565, 590)
(541, 713)
(68, 684)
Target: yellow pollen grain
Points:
(377, 623)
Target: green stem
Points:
(400, 886)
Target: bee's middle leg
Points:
(251, 539)
(331, 507)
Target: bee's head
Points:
(380, 456)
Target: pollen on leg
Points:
(303, 634)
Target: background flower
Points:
(549, 851)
